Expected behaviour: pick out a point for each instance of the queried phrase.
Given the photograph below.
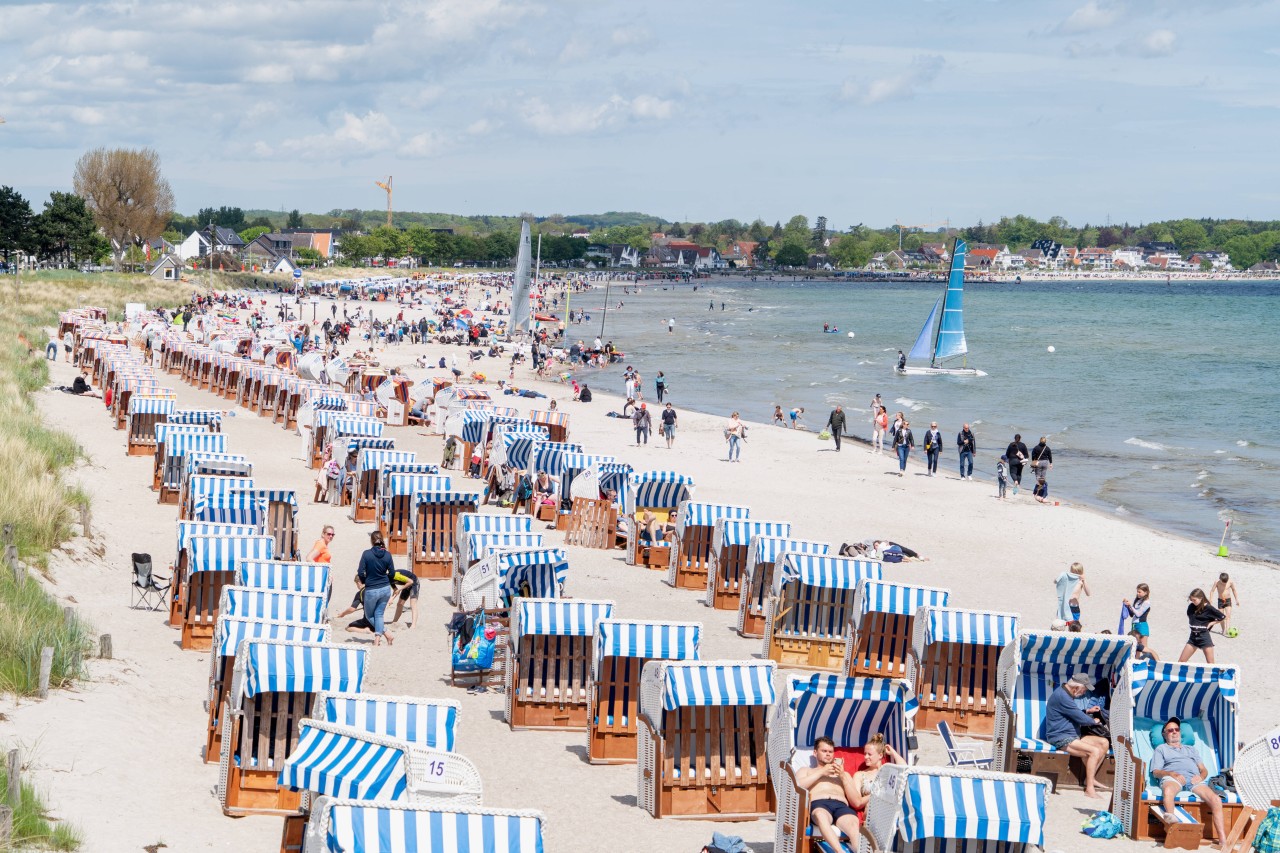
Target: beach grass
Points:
(32, 829)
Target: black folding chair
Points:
(149, 590)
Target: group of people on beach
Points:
(378, 583)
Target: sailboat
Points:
(942, 337)
(520, 286)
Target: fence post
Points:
(85, 517)
(69, 617)
(6, 826)
(46, 671)
(104, 647)
(8, 533)
(15, 778)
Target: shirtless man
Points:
(827, 783)
(1228, 597)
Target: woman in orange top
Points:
(320, 551)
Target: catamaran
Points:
(942, 337)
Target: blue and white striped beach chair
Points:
(432, 526)
(365, 486)
(1206, 698)
(281, 521)
(758, 574)
(349, 826)
(1031, 667)
(503, 576)
(211, 419)
(944, 810)
(655, 492)
(273, 687)
(880, 626)
(695, 529)
(430, 722)
(621, 649)
(395, 515)
(176, 446)
(144, 414)
(269, 605)
(475, 522)
(229, 632)
(211, 565)
(224, 502)
(810, 605)
(703, 728)
(953, 665)
(850, 711)
(203, 478)
(730, 544)
(481, 545)
(549, 663)
(161, 431)
(285, 576)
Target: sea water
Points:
(1160, 401)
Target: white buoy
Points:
(1051, 349)
(851, 334)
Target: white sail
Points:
(520, 313)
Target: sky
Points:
(920, 112)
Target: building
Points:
(167, 268)
(1098, 258)
(265, 249)
(321, 240)
(223, 240)
(741, 253)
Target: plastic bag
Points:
(1103, 824)
(825, 435)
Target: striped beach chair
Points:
(881, 626)
(395, 516)
(353, 826)
(205, 479)
(332, 760)
(497, 580)
(657, 493)
(730, 547)
(953, 664)
(481, 545)
(621, 649)
(176, 446)
(211, 564)
(211, 419)
(757, 577)
(161, 432)
(955, 811)
(225, 505)
(592, 521)
(270, 605)
(691, 550)
(850, 711)
(430, 722)
(703, 739)
(1206, 698)
(473, 523)
(178, 569)
(549, 662)
(557, 423)
(509, 442)
(1031, 667)
(285, 576)
(144, 414)
(281, 521)
(366, 483)
(432, 527)
(549, 457)
(273, 687)
(229, 632)
(810, 603)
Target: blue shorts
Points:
(1143, 628)
(835, 808)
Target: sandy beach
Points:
(118, 755)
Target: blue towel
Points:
(728, 843)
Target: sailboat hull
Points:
(909, 370)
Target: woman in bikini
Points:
(877, 754)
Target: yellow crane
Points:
(387, 186)
(946, 223)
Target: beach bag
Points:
(1267, 840)
(825, 435)
(1102, 825)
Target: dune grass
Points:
(32, 829)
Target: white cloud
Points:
(483, 127)
(897, 87)
(423, 144)
(354, 135)
(572, 119)
(1090, 17)
(1158, 43)
(88, 115)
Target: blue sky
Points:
(919, 111)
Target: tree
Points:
(308, 256)
(1189, 235)
(294, 220)
(820, 234)
(227, 217)
(851, 251)
(792, 254)
(797, 228)
(15, 223)
(253, 233)
(65, 230)
(129, 197)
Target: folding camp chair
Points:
(962, 754)
(149, 590)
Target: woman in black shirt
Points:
(1201, 616)
(376, 570)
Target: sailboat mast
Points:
(937, 331)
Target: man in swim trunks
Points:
(829, 807)
(1179, 768)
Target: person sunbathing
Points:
(877, 753)
(828, 784)
(544, 489)
(652, 531)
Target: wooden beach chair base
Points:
(140, 449)
(294, 835)
(200, 599)
(657, 557)
(753, 623)
(1182, 833)
(258, 792)
(431, 567)
(1064, 772)
(963, 722)
(1149, 827)
(168, 496)
(365, 513)
(805, 653)
(880, 645)
(591, 523)
(612, 733)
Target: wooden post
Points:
(6, 826)
(85, 516)
(8, 534)
(104, 647)
(15, 778)
(11, 553)
(46, 671)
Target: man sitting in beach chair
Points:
(1070, 718)
(1180, 768)
(828, 784)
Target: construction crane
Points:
(946, 223)
(387, 186)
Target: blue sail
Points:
(951, 340)
(922, 347)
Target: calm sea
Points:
(1161, 402)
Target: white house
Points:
(195, 246)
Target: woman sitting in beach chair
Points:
(653, 531)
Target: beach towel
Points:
(1268, 838)
(1103, 824)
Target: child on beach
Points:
(1070, 585)
(778, 419)
(1228, 596)
(1002, 480)
(1041, 490)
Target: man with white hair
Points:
(1065, 717)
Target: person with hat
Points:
(1069, 721)
(1179, 768)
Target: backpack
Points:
(1103, 824)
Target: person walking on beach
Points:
(903, 442)
(968, 445)
(733, 434)
(879, 426)
(1201, 617)
(835, 422)
(1042, 458)
(1017, 453)
(932, 448)
(1228, 597)
(1069, 586)
(671, 325)
(642, 421)
(375, 572)
(1002, 478)
(660, 385)
(669, 425)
